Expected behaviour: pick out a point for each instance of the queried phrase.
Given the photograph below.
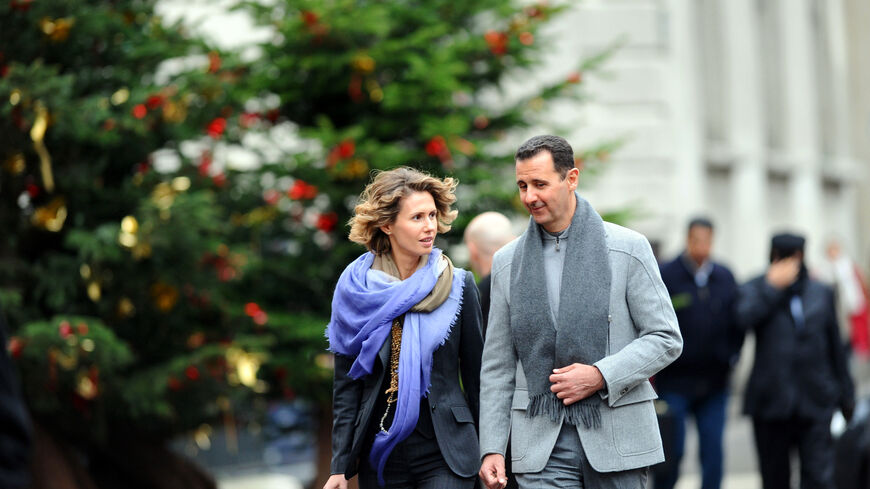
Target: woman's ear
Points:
(386, 228)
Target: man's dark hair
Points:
(560, 150)
(701, 222)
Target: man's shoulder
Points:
(621, 238)
(723, 270)
(819, 287)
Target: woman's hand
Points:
(336, 481)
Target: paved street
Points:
(741, 470)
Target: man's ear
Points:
(573, 177)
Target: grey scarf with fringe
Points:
(584, 303)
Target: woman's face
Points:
(413, 232)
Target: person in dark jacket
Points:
(800, 375)
(703, 293)
(15, 430)
(405, 327)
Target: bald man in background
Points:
(484, 235)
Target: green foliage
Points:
(203, 284)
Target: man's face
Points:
(699, 243)
(548, 197)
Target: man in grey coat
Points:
(579, 320)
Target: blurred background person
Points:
(402, 311)
(15, 434)
(799, 377)
(484, 235)
(703, 293)
(851, 291)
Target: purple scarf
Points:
(363, 308)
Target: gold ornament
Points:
(85, 387)
(37, 134)
(174, 112)
(15, 97)
(163, 195)
(58, 29)
(15, 164)
(51, 216)
(201, 437)
(363, 63)
(127, 235)
(180, 184)
(125, 307)
(164, 296)
(120, 96)
(141, 250)
(94, 291)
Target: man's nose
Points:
(529, 196)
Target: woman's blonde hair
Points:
(379, 204)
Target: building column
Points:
(801, 129)
(749, 176)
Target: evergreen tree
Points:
(151, 286)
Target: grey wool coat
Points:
(643, 339)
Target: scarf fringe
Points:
(449, 328)
(585, 411)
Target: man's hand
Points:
(784, 272)
(336, 481)
(492, 471)
(576, 382)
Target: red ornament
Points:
(191, 373)
(575, 77)
(280, 373)
(309, 18)
(436, 146)
(4, 70)
(346, 149)
(82, 328)
(15, 346)
(527, 38)
(214, 62)
(260, 318)
(65, 329)
(173, 383)
(248, 119)
(497, 41)
(204, 163)
(154, 101)
(108, 124)
(139, 111)
(251, 308)
(20, 5)
(326, 222)
(220, 180)
(142, 168)
(273, 115)
(271, 196)
(32, 190)
(354, 88)
(302, 191)
(216, 127)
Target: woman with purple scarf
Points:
(405, 326)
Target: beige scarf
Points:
(385, 263)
